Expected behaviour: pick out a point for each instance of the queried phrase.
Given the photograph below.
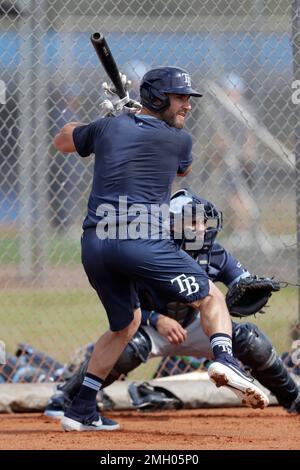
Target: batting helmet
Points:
(157, 83)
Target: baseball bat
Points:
(107, 60)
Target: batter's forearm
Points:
(63, 141)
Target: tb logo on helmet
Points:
(187, 79)
(188, 284)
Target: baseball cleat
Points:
(83, 416)
(102, 424)
(229, 374)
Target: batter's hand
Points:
(110, 90)
(114, 104)
(171, 329)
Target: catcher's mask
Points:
(193, 218)
(158, 83)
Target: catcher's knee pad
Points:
(251, 346)
(136, 352)
(256, 351)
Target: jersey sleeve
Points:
(84, 136)
(232, 270)
(186, 154)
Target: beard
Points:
(173, 120)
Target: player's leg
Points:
(110, 346)
(214, 313)
(136, 352)
(82, 414)
(256, 351)
(118, 296)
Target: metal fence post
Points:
(296, 73)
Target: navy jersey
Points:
(136, 156)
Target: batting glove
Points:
(115, 105)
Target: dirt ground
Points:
(231, 428)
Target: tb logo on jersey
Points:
(188, 284)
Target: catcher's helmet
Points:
(212, 217)
(157, 83)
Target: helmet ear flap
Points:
(157, 95)
(149, 94)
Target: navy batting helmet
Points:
(157, 83)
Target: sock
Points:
(90, 387)
(221, 344)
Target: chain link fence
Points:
(242, 55)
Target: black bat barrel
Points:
(106, 58)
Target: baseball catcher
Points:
(174, 329)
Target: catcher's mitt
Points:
(250, 294)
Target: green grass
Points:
(59, 322)
(54, 322)
(61, 250)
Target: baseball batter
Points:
(137, 157)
